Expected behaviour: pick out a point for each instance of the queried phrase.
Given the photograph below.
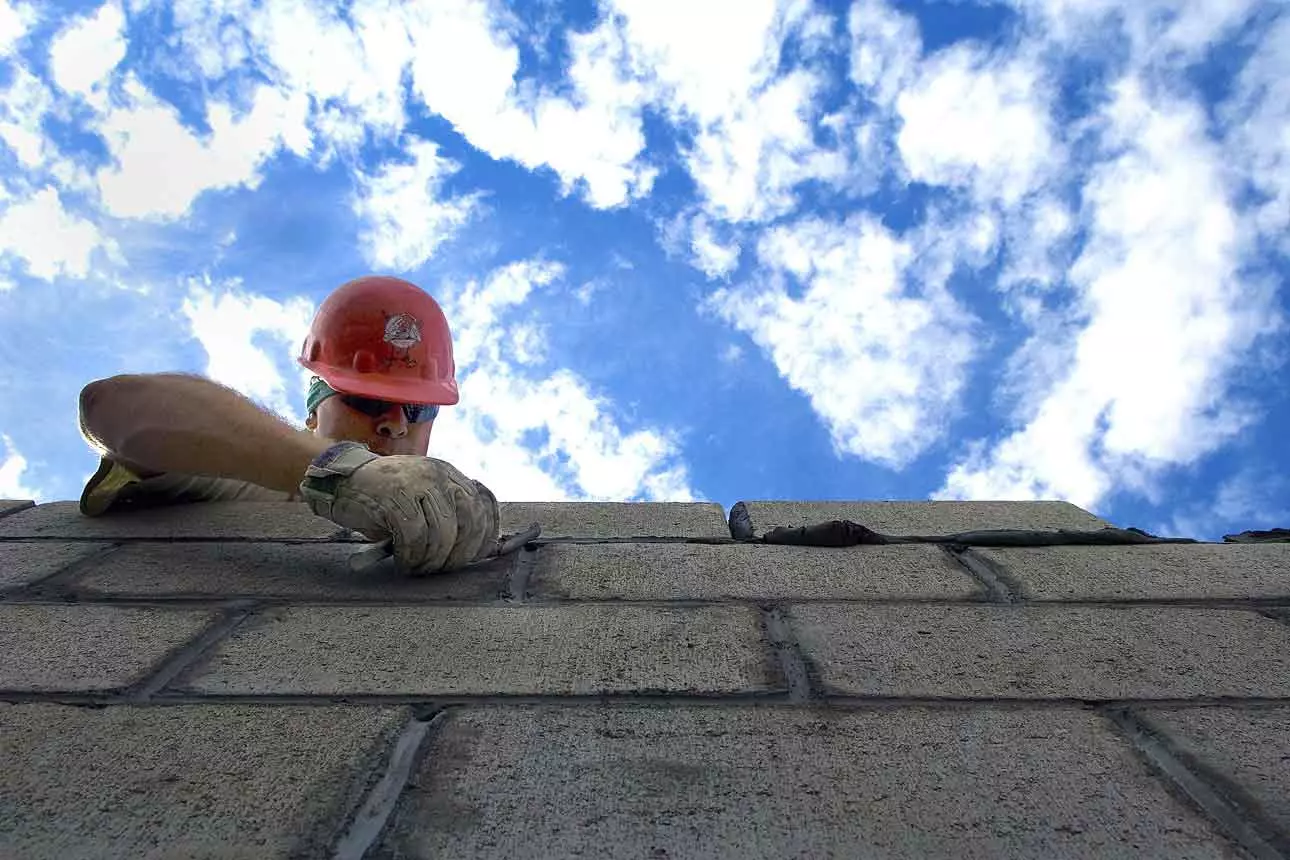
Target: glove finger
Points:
(405, 506)
(473, 530)
(441, 526)
(489, 518)
(413, 536)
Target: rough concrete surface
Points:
(183, 781)
(485, 650)
(9, 506)
(22, 562)
(1249, 746)
(616, 519)
(762, 782)
(307, 571)
(698, 571)
(924, 518)
(1169, 571)
(1044, 651)
(210, 520)
(71, 647)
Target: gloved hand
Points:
(437, 518)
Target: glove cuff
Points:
(340, 459)
(328, 470)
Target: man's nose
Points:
(393, 422)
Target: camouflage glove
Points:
(437, 518)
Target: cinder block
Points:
(924, 518)
(22, 562)
(12, 506)
(246, 520)
(1195, 571)
(185, 781)
(1044, 651)
(491, 650)
(616, 519)
(296, 571)
(82, 647)
(747, 571)
(1250, 747)
(772, 782)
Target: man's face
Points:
(387, 433)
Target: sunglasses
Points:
(416, 413)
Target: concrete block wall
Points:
(214, 680)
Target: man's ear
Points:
(311, 421)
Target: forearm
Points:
(178, 423)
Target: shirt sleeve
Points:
(116, 487)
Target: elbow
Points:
(95, 413)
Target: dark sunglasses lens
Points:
(366, 405)
(419, 413)
(415, 412)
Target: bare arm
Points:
(172, 422)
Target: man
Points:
(381, 352)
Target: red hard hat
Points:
(383, 337)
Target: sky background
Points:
(690, 250)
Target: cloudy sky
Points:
(690, 249)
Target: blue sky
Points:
(689, 250)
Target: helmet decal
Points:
(403, 331)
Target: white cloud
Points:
(23, 107)
(352, 68)
(478, 337)
(723, 51)
(52, 242)
(211, 34)
(885, 47)
(464, 68)
(973, 123)
(552, 438)
(749, 164)
(354, 74)
(161, 166)
(12, 466)
(585, 292)
(596, 138)
(86, 51)
(713, 257)
(407, 216)
(1135, 327)
(228, 321)
(1259, 498)
(15, 20)
(528, 343)
(876, 344)
(753, 141)
(1163, 317)
(1040, 231)
(1258, 121)
(1169, 33)
(540, 437)
(1247, 500)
